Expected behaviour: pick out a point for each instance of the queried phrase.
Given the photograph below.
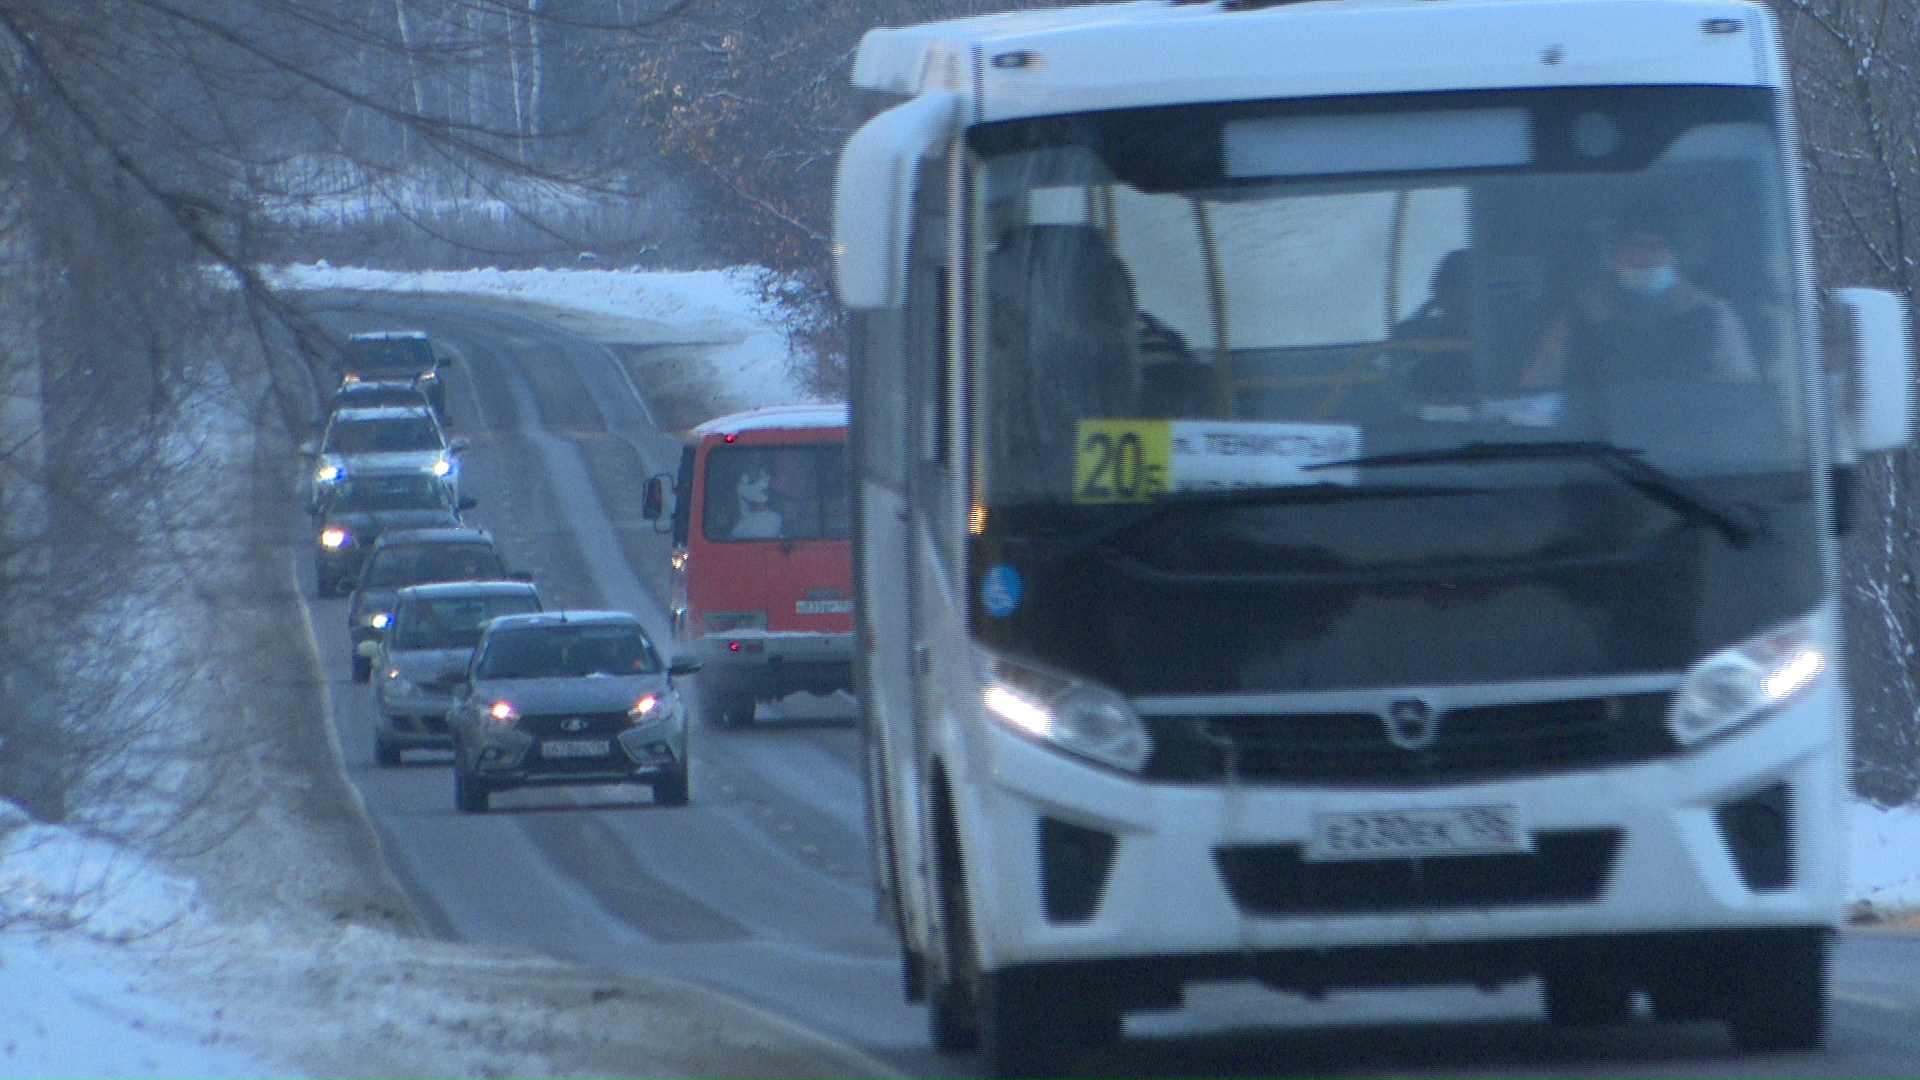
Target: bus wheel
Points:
(1779, 999)
(1577, 999)
(731, 708)
(1021, 1028)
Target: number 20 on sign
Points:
(1121, 461)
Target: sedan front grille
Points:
(1476, 743)
(575, 725)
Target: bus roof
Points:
(1161, 52)
(774, 418)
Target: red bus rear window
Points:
(794, 492)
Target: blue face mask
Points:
(1650, 282)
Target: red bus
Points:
(762, 588)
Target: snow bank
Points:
(1884, 857)
(727, 309)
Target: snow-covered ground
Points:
(728, 310)
(1885, 857)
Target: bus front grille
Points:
(1468, 744)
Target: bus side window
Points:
(683, 497)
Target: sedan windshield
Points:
(387, 435)
(567, 652)
(389, 357)
(421, 564)
(1344, 376)
(453, 622)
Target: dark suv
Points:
(399, 356)
(350, 516)
(414, 557)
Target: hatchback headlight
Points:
(1069, 714)
(1739, 685)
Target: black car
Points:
(568, 697)
(405, 356)
(349, 517)
(414, 557)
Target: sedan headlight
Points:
(379, 620)
(335, 538)
(442, 467)
(1739, 685)
(328, 473)
(1069, 714)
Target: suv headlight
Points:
(1739, 685)
(1070, 714)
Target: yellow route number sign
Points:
(1122, 461)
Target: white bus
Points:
(1346, 496)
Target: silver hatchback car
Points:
(423, 656)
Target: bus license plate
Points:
(574, 748)
(1398, 834)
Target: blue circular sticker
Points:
(1001, 590)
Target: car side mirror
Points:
(311, 447)
(653, 502)
(683, 665)
(469, 502)
(1881, 339)
(520, 575)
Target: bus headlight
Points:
(1078, 717)
(1741, 684)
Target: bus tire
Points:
(1022, 1030)
(1779, 997)
(1586, 999)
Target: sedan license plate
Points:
(574, 748)
(1399, 834)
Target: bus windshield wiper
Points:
(1625, 464)
(1235, 498)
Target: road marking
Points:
(1872, 1001)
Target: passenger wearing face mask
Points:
(1647, 323)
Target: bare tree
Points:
(1855, 70)
(155, 153)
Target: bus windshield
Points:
(1361, 347)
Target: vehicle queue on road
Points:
(459, 650)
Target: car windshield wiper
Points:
(1237, 498)
(1623, 463)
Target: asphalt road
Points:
(759, 888)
